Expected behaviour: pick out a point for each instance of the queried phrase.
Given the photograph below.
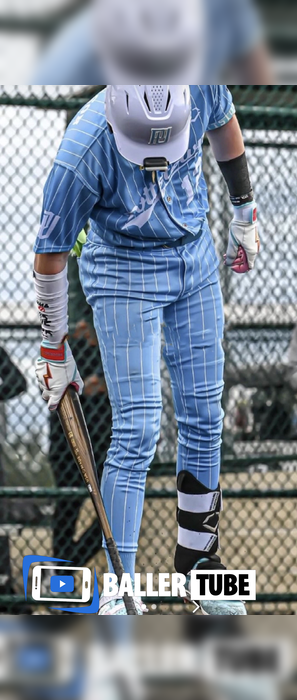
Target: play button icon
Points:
(64, 584)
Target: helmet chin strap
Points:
(152, 165)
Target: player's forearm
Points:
(244, 243)
(51, 286)
(228, 147)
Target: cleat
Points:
(214, 607)
(223, 607)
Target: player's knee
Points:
(211, 421)
(137, 441)
(144, 440)
(203, 425)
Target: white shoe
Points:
(113, 605)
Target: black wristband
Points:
(236, 174)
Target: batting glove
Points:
(55, 370)
(244, 241)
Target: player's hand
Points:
(244, 241)
(55, 370)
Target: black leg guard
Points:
(198, 524)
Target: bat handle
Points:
(119, 571)
(129, 605)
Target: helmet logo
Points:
(160, 136)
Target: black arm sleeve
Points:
(236, 174)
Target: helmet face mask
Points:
(150, 122)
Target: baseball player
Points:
(131, 163)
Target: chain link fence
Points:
(44, 509)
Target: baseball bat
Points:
(77, 435)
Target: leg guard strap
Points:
(198, 521)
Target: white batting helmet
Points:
(150, 123)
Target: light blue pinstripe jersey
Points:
(90, 180)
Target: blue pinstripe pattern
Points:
(139, 291)
(91, 180)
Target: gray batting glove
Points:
(244, 241)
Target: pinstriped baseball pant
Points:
(132, 293)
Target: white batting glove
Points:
(244, 241)
(55, 370)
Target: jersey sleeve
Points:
(67, 206)
(223, 108)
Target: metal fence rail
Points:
(44, 509)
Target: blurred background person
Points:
(109, 42)
(63, 41)
(12, 383)
(291, 362)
